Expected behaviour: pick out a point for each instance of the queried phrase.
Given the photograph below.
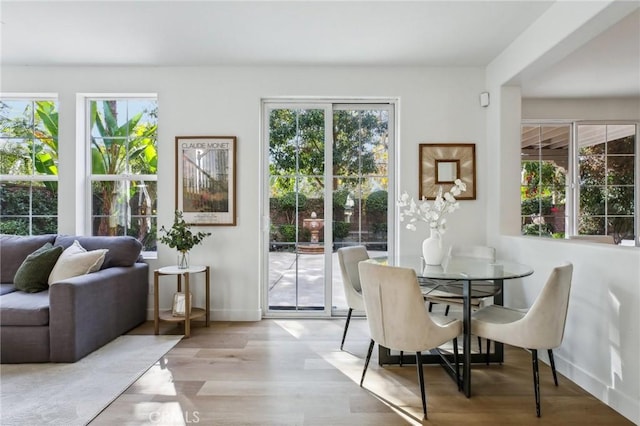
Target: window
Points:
(580, 185)
(606, 172)
(543, 180)
(122, 141)
(28, 165)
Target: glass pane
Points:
(621, 139)
(592, 200)
(16, 118)
(147, 111)
(310, 280)
(621, 170)
(621, 228)
(282, 141)
(347, 219)
(283, 202)
(15, 157)
(14, 225)
(45, 225)
(45, 156)
(108, 156)
(591, 139)
(591, 225)
(109, 118)
(591, 169)
(15, 198)
(18, 215)
(360, 142)
(143, 213)
(296, 142)
(544, 164)
(45, 199)
(311, 142)
(110, 207)
(374, 213)
(620, 200)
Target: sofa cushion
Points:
(33, 275)
(14, 249)
(75, 261)
(27, 309)
(123, 250)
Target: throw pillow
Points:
(75, 260)
(34, 271)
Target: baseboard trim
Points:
(226, 315)
(615, 399)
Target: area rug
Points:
(73, 394)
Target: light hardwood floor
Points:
(291, 372)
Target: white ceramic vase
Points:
(432, 249)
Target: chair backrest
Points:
(547, 316)
(395, 309)
(478, 252)
(348, 258)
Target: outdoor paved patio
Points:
(310, 280)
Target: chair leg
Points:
(430, 306)
(446, 310)
(456, 362)
(553, 366)
(401, 355)
(346, 326)
(488, 355)
(479, 344)
(536, 379)
(421, 382)
(366, 362)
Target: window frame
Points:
(33, 98)
(572, 205)
(576, 173)
(89, 177)
(331, 105)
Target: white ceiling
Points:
(307, 33)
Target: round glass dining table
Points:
(455, 276)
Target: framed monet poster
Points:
(206, 179)
(442, 163)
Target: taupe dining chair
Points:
(399, 320)
(348, 258)
(540, 327)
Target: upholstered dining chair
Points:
(348, 258)
(399, 320)
(540, 327)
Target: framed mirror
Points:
(442, 163)
(447, 171)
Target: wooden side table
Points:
(167, 315)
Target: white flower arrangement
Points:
(433, 214)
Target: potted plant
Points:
(181, 238)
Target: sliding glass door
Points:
(326, 186)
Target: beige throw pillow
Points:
(75, 261)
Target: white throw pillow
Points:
(76, 260)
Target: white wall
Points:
(436, 105)
(602, 338)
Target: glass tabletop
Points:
(460, 268)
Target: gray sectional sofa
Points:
(75, 316)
